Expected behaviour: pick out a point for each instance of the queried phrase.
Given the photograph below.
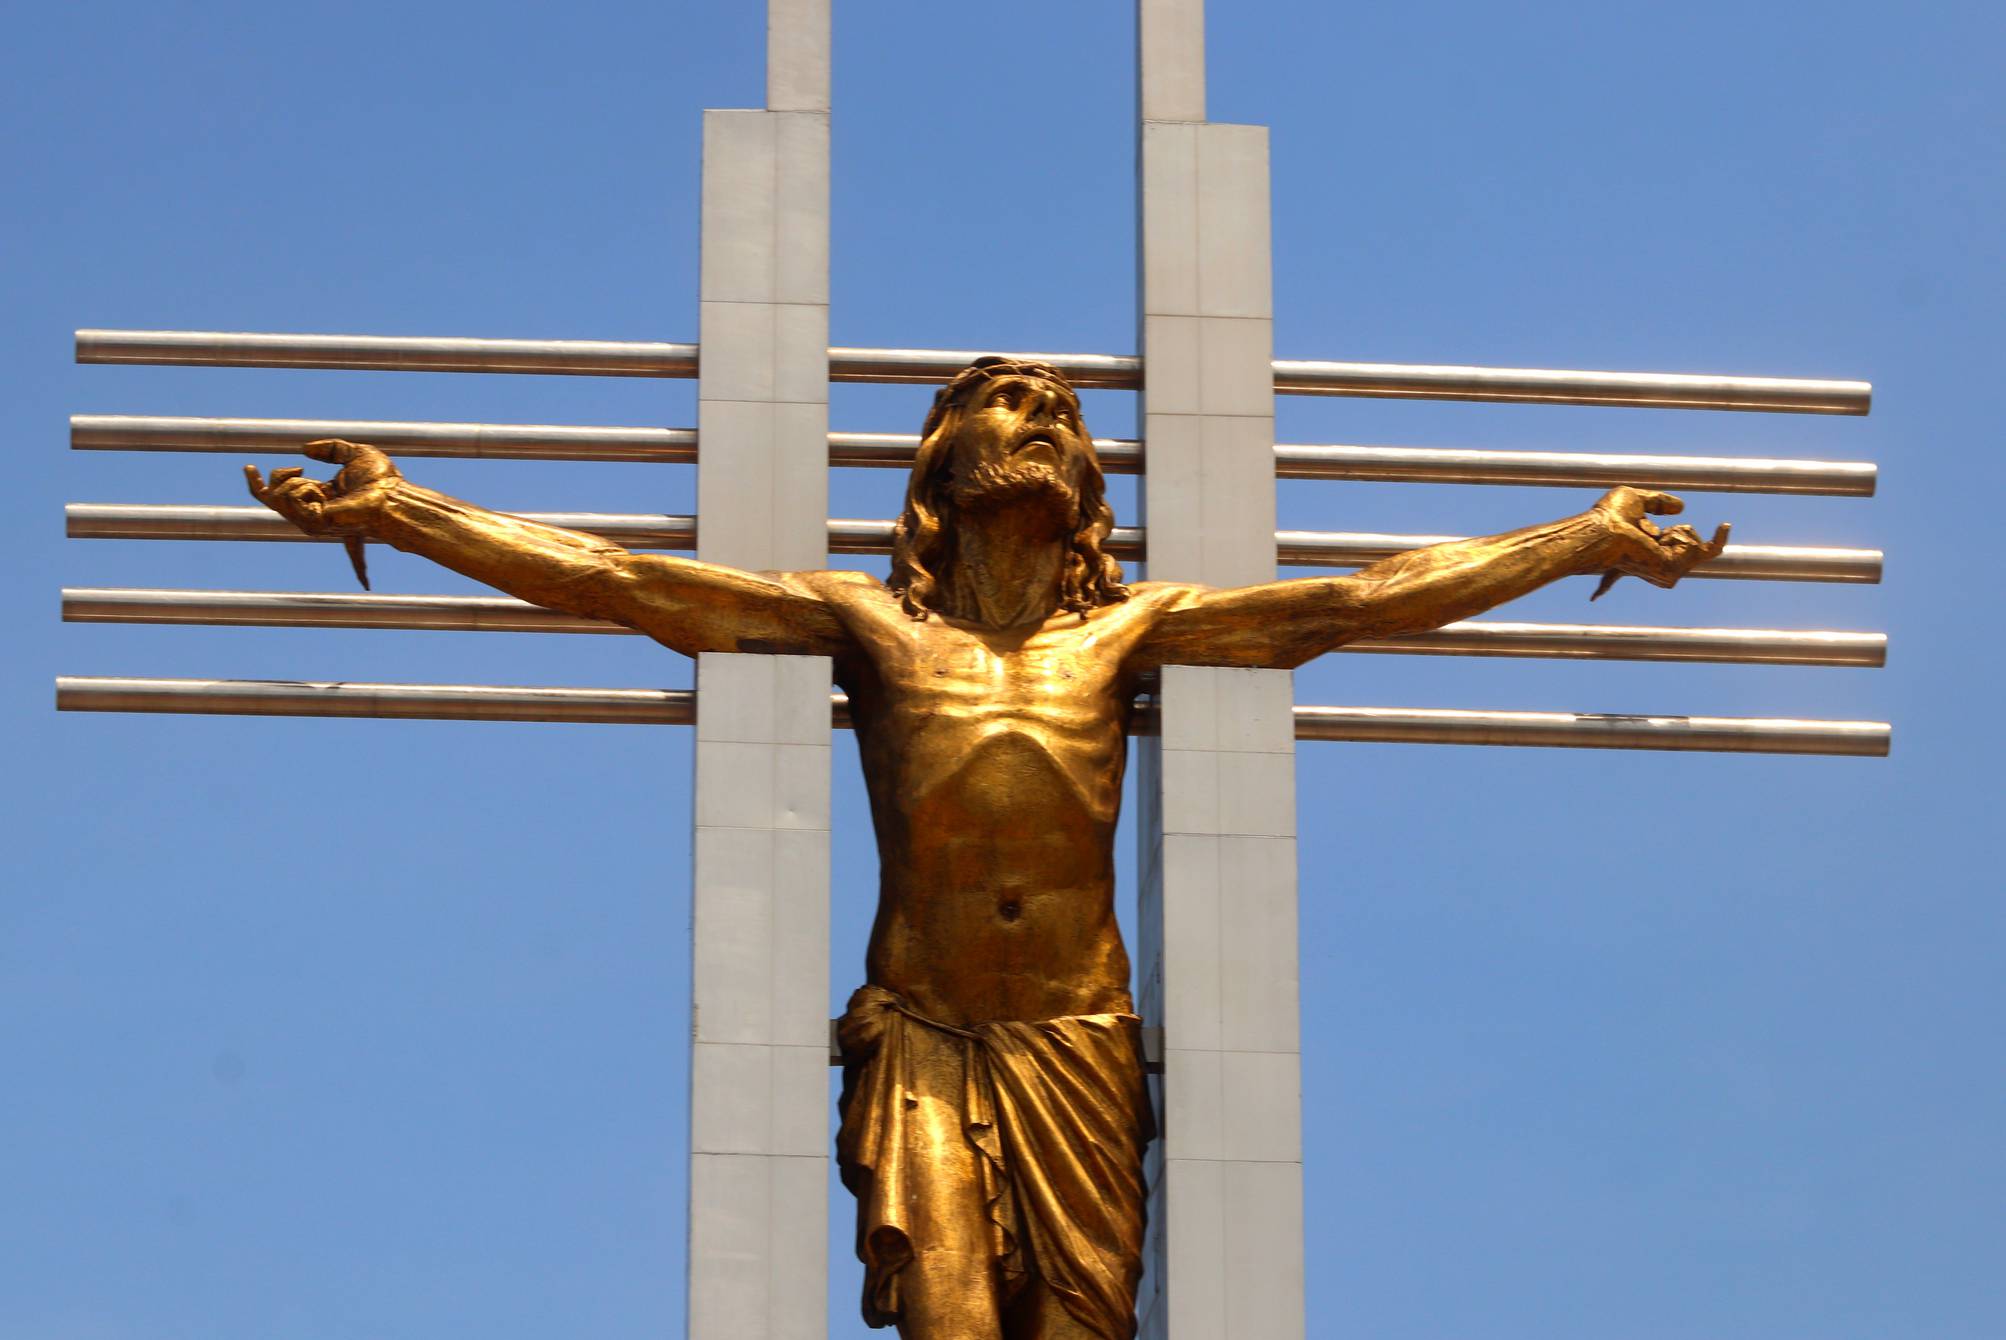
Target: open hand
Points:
(338, 506)
(1640, 548)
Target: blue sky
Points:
(320, 1029)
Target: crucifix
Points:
(996, 1122)
(994, 1126)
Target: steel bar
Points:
(672, 707)
(1301, 548)
(1570, 469)
(1427, 465)
(386, 353)
(437, 702)
(1668, 390)
(1614, 642)
(1644, 390)
(1748, 562)
(116, 521)
(503, 614)
(1116, 372)
(1579, 730)
(487, 441)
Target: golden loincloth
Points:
(1057, 1115)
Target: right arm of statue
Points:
(686, 605)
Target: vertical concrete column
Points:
(759, 1086)
(1218, 943)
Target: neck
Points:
(1006, 570)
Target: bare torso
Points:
(994, 762)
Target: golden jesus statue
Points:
(994, 1114)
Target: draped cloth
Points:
(1057, 1116)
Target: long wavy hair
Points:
(923, 540)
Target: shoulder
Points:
(1162, 597)
(845, 589)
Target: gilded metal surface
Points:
(993, 1112)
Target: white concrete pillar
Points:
(759, 1072)
(1218, 944)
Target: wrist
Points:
(1596, 540)
(365, 510)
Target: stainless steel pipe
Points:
(478, 702)
(1669, 390)
(486, 441)
(1299, 548)
(386, 353)
(1616, 642)
(1572, 469)
(1426, 465)
(117, 521)
(1645, 390)
(1746, 562)
(1578, 730)
(316, 609)
(1117, 372)
(436, 702)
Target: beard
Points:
(1032, 485)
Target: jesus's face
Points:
(1020, 440)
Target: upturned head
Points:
(1004, 446)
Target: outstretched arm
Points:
(689, 606)
(1283, 624)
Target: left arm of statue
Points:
(1283, 624)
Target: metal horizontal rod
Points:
(437, 702)
(1577, 469)
(1112, 372)
(1300, 548)
(1740, 562)
(386, 353)
(485, 441)
(1617, 642)
(1665, 390)
(549, 442)
(503, 614)
(673, 707)
(1542, 386)
(1578, 730)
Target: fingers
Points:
(335, 449)
(292, 487)
(361, 464)
(1660, 557)
(300, 501)
(1660, 504)
(1633, 503)
(266, 490)
(1682, 550)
